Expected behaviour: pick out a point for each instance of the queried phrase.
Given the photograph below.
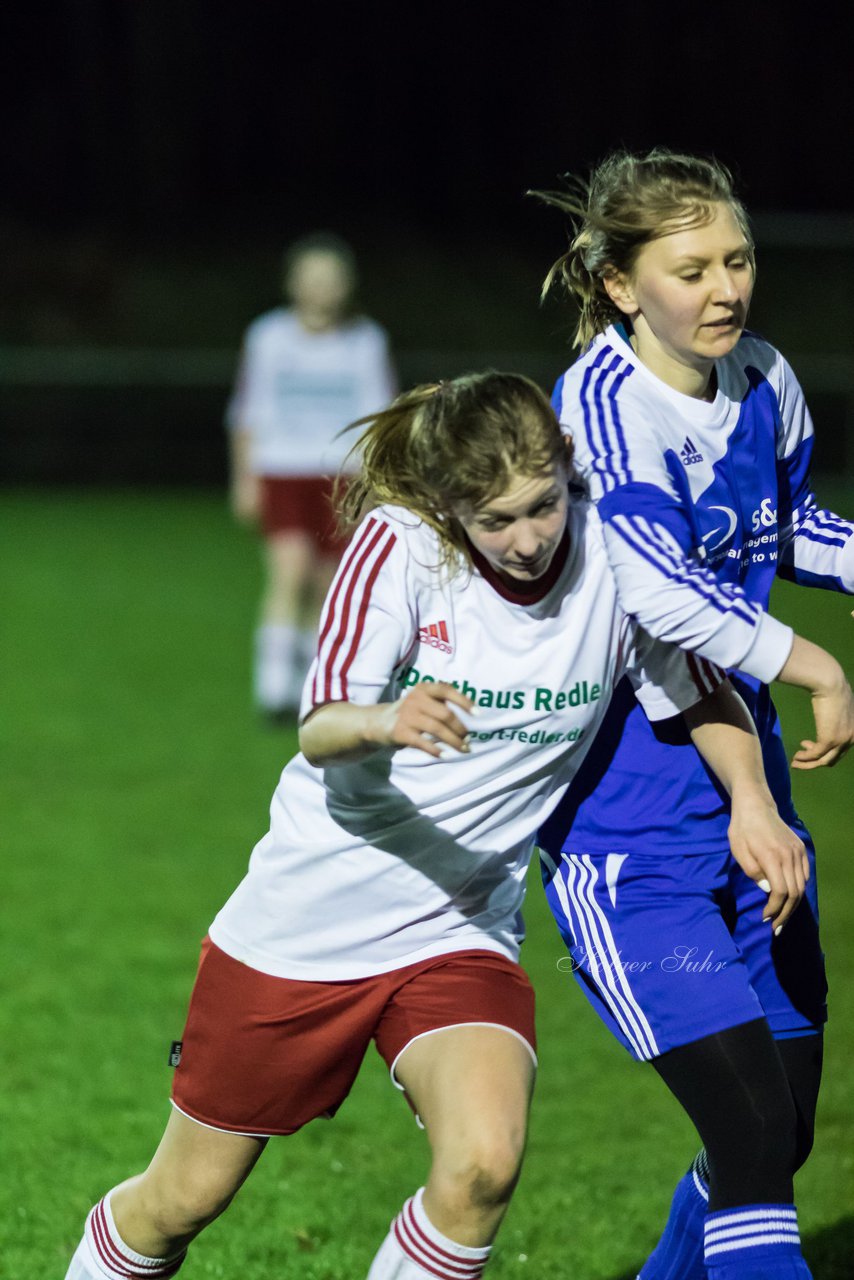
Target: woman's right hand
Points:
(424, 718)
(833, 710)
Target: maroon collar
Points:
(538, 588)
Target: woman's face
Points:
(688, 294)
(319, 282)
(519, 531)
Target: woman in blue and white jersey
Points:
(695, 440)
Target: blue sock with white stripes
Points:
(755, 1242)
(679, 1253)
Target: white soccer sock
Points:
(103, 1255)
(414, 1249)
(275, 665)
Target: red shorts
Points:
(304, 504)
(263, 1055)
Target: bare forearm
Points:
(239, 450)
(245, 489)
(762, 844)
(723, 732)
(424, 718)
(812, 668)
(340, 732)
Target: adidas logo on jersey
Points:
(688, 452)
(436, 635)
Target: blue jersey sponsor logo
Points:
(735, 517)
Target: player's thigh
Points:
(471, 1087)
(459, 1039)
(291, 554)
(649, 945)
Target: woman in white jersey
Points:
(306, 370)
(695, 440)
(468, 648)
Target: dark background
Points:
(156, 158)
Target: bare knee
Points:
(484, 1174)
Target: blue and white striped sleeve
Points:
(650, 546)
(816, 546)
(651, 539)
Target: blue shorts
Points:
(669, 949)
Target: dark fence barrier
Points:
(109, 416)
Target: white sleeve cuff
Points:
(846, 566)
(770, 650)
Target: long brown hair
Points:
(444, 446)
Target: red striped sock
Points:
(414, 1249)
(113, 1257)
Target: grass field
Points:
(136, 782)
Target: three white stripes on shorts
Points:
(584, 914)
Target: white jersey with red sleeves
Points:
(374, 865)
(296, 390)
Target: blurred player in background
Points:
(306, 371)
(468, 647)
(696, 441)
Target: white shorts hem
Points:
(238, 1133)
(451, 1026)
